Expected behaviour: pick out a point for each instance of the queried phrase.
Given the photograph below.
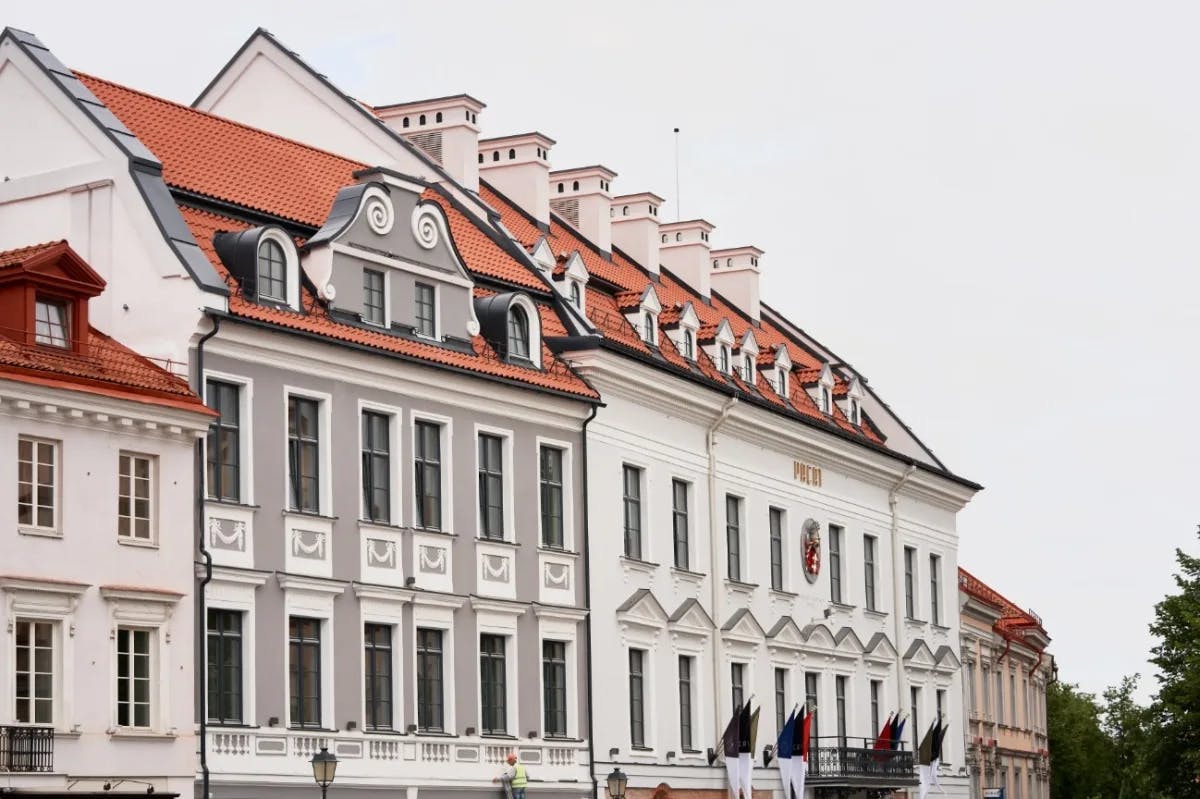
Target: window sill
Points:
(497, 736)
(875, 614)
(381, 525)
(911, 622)
(687, 574)
(842, 607)
(738, 585)
(140, 735)
(231, 725)
(229, 503)
(940, 628)
(295, 728)
(435, 733)
(432, 531)
(568, 553)
(308, 514)
(133, 542)
(780, 593)
(504, 542)
(562, 739)
(637, 564)
(40, 532)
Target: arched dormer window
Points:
(421, 121)
(826, 400)
(664, 238)
(853, 412)
(575, 294)
(625, 210)
(724, 359)
(512, 153)
(405, 122)
(648, 327)
(518, 332)
(783, 383)
(689, 345)
(438, 118)
(748, 369)
(496, 155)
(575, 185)
(272, 271)
(560, 188)
(678, 237)
(481, 158)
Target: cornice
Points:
(95, 411)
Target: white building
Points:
(99, 463)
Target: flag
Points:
(897, 737)
(800, 749)
(746, 758)
(805, 733)
(783, 752)
(937, 753)
(884, 739)
(729, 748)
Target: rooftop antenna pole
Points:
(678, 213)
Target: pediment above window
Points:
(642, 311)
(743, 626)
(571, 277)
(691, 618)
(684, 330)
(642, 609)
(543, 256)
(719, 343)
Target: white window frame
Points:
(563, 626)
(496, 618)
(131, 539)
(568, 488)
(446, 445)
(291, 262)
(55, 531)
(37, 600)
(387, 298)
(431, 612)
(146, 610)
(506, 483)
(385, 606)
(245, 434)
(324, 402)
(312, 598)
(234, 590)
(437, 310)
(647, 543)
(395, 461)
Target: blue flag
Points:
(899, 732)
(783, 747)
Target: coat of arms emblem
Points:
(812, 550)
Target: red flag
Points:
(884, 739)
(806, 730)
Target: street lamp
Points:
(324, 766)
(616, 784)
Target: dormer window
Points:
(724, 359)
(783, 383)
(648, 327)
(853, 412)
(52, 319)
(664, 238)
(518, 332)
(748, 369)
(575, 294)
(373, 310)
(272, 271)
(689, 345)
(826, 399)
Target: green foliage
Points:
(1079, 749)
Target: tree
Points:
(1079, 749)
(1132, 730)
(1177, 656)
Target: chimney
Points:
(735, 276)
(582, 197)
(635, 227)
(684, 250)
(518, 167)
(445, 128)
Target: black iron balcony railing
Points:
(26, 749)
(838, 760)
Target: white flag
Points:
(746, 767)
(799, 772)
(923, 776)
(732, 771)
(785, 775)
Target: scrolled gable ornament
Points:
(812, 550)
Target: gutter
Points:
(201, 619)
(710, 440)
(587, 601)
(898, 609)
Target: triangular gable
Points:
(749, 342)
(688, 317)
(743, 625)
(848, 643)
(946, 660)
(724, 333)
(691, 617)
(783, 360)
(642, 609)
(576, 269)
(826, 376)
(919, 655)
(650, 301)
(59, 264)
(880, 649)
(543, 255)
(819, 636)
(786, 633)
(856, 389)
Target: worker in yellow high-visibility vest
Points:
(514, 778)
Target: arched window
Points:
(438, 118)
(729, 262)
(689, 345)
(748, 369)
(512, 153)
(853, 411)
(496, 155)
(783, 387)
(468, 116)
(575, 296)
(625, 211)
(724, 359)
(664, 238)
(421, 121)
(825, 400)
(560, 188)
(715, 263)
(518, 332)
(678, 237)
(648, 324)
(575, 185)
(405, 123)
(481, 158)
(272, 271)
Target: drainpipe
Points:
(898, 609)
(710, 440)
(587, 601)
(202, 694)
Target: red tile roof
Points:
(1013, 620)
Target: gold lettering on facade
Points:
(809, 475)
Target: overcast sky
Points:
(989, 209)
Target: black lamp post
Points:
(616, 784)
(324, 766)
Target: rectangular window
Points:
(839, 689)
(776, 525)
(685, 702)
(987, 694)
(304, 454)
(780, 698)
(554, 688)
(835, 563)
(733, 536)
(377, 675)
(426, 312)
(304, 671)
(811, 692)
(223, 448)
(373, 297)
(876, 692)
(999, 697)
(377, 467)
(972, 707)
(135, 496)
(1012, 699)
(632, 495)
(551, 471)
(427, 474)
(915, 700)
(37, 484)
(224, 666)
(491, 486)
(51, 323)
(935, 589)
(737, 683)
(679, 523)
(134, 670)
(910, 566)
(940, 697)
(429, 681)
(34, 671)
(637, 704)
(492, 685)
(869, 571)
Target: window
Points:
(492, 685)
(869, 571)
(733, 536)
(783, 386)
(405, 122)
(554, 688)
(737, 684)
(133, 677)
(496, 155)
(776, 525)
(637, 703)
(223, 449)
(935, 590)
(37, 484)
(1012, 699)
(304, 671)
(421, 119)
(518, 332)
(987, 693)
(135, 483)
(224, 656)
(854, 411)
(876, 691)
(648, 327)
(972, 708)
(748, 369)
(723, 357)
(835, 563)
(377, 676)
(940, 697)
(576, 295)
(910, 558)
(376, 467)
(685, 702)
(632, 481)
(491, 487)
(689, 345)
(999, 697)
(304, 447)
(50, 323)
(915, 701)
(272, 274)
(426, 311)
(575, 185)
(429, 680)
(679, 522)
(437, 117)
(373, 297)
(839, 692)
(551, 470)
(826, 400)
(35, 666)
(780, 698)
(811, 692)
(427, 474)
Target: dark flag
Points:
(896, 739)
(744, 729)
(925, 750)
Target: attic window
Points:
(51, 323)
(560, 188)
(648, 327)
(575, 294)
(272, 271)
(438, 118)
(724, 363)
(481, 158)
(853, 411)
(496, 155)
(512, 153)
(716, 264)
(575, 185)
(405, 123)
(689, 345)
(783, 383)
(518, 333)
(748, 369)
(826, 400)
(421, 121)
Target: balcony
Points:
(26, 750)
(855, 763)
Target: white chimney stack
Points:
(735, 275)
(518, 167)
(583, 197)
(635, 227)
(684, 250)
(444, 128)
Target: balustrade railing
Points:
(26, 749)
(844, 757)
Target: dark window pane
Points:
(377, 679)
(733, 536)
(554, 686)
(637, 707)
(491, 486)
(428, 474)
(551, 472)
(373, 306)
(304, 454)
(632, 480)
(376, 467)
(679, 523)
(304, 671)
(429, 680)
(224, 666)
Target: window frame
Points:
(910, 583)
(550, 535)
(33, 527)
(493, 671)
(519, 344)
(368, 454)
(425, 326)
(681, 523)
(152, 488)
(633, 510)
(935, 589)
(870, 552)
(423, 655)
(637, 697)
(555, 690)
(505, 477)
(297, 647)
(687, 694)
(32, 671)
(840, 700)
(261, 283)
(421, 465)
(777, 525)
(733, 537)
(375, 314)
(130, 678)
(737, 684)
(62, 324)
(812, 696)
(780, 677)
(374, 655)
(836, 535)
(323, 479)
(243, 389)
(214, 649)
